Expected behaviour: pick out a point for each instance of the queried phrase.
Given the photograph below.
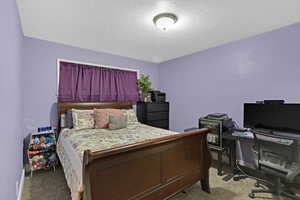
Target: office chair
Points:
(277, 159)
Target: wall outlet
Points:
(17, 188)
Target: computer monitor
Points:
(278, 117)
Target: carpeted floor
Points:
(49, 185)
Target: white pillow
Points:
(83, 119)
(131, 116)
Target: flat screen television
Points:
(277, 117)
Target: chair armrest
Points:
(292, 175)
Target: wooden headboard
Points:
(63, 107)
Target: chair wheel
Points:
(236, 178)
(251, 195)
(257, 185)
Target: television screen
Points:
(280, 117)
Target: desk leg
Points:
(220, 163)
(233, 156)
(229, 153)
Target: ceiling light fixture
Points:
(164, 21)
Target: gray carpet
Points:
(49, 185)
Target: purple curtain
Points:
(79, 82)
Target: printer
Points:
(158, 97)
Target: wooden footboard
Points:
(152, 170)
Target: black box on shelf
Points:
(158, 97)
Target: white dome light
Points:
(165, 21)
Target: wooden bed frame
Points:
(151, 170)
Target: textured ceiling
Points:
(125, 27)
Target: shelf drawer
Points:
(152, 116)
(159, 124)
(157, 107)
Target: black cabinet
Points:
(154, 114)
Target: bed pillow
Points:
(117, 122)
(102, 116)
(63, 121)
(83, 119)
(69, 119)
(131, 116)
(66, 120)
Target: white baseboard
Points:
(21, 185)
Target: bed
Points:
(139, 162)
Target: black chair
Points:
(278, 161)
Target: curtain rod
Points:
(97, 65)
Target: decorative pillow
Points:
(66, 120)
(117, 122)
(69, 119)
(102, 116)
(83, 119)
(63, 121)
(131, 116)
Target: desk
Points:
(245, 154)
(234, 153)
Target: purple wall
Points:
(11, 39)
(40, 76)
(221, 79)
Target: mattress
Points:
(72, 144)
